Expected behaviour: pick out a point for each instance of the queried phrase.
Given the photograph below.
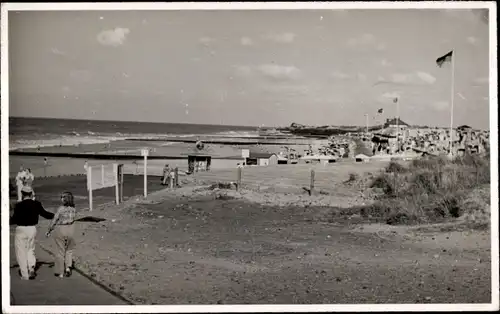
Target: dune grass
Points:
(432, 190)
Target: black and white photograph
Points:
(247, 157)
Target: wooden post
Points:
(121, 183)
(102, 175)
(176, 176)
(89, 186)
(239, 179)
(145, 176)
(312, 181)
(117, 185)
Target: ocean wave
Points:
(236, 134)
(75, 138)
(63, 141)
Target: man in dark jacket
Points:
(26, 214)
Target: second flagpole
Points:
(453, 56)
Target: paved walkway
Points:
(47, 289)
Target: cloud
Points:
(206, 40)
(114, 37)
(274, 71)
(243, 70)
(440, 105)
(464, 14)
(246, 41)
(285, 38)
(471, 40)
(340, 75)
(57, 52)
(417, 78)
(385, 63)
(391, 95)
(426, 77)
(361, 77)
(280, 72)
(365, 39)
(400, 78)
(81, 75)
(288, 89)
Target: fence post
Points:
(312, 181)
(89, 186)
(117, 183)
(121, 183)
(238, 184)
(176, 177)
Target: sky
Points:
(272, 68)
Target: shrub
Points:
(384, 182)
(394, 166)
(430, 189)
(352, 178)
(221, 185)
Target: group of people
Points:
(168, 177)
(26, 215)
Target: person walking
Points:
(26, 214)
(63, 225)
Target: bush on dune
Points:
(430, 190)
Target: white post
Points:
(102, 175)
(89, 185)
(453, 56)
(366, 115)
(397, 124)
(117, 191)
(145, 175)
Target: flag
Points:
(395, 100)
(445, 58)
(380, 110)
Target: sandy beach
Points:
(268, 243)
(223, 156)
(197, 246)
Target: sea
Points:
(34, 132)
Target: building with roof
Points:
(395, 123)
(261, 159)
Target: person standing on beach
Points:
(63, 224)
(25, 216)
(29, 180)
(166, 174)
(20, 182)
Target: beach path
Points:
(47, 289)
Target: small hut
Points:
(261, 159)
(199, 162)
(362, 158)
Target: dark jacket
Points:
(26, 213)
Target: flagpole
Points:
(453, 56)
(397, 125)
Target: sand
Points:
(189, 247)
(223, 156)
(268, 243)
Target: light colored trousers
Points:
(65, 244)
(24, 242)
(19, 195)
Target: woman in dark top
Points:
(26, 214)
